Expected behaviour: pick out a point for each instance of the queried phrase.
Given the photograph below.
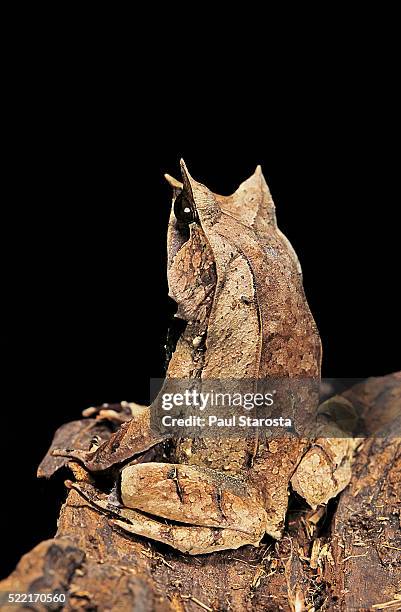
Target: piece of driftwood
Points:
(344, 557)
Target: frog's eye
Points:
(183, 210)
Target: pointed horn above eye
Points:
(173, 182)
(258, 176)
(255, 183)
(183, 166)
(187, 179)
(184, 171)
(252, 202)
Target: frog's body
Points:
(238, 285)
(257, 320)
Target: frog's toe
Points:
(104, 503)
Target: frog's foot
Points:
(192, 540)
(131, 440)
(193, 510)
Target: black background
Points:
(86, 262)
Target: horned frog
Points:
(238, 286)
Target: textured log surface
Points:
(346, 557)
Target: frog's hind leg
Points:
(221, 510)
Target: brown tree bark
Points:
(345, 557)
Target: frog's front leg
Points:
(215, 512)
(132, 439)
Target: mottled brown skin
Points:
(238, 285)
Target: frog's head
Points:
(197, 248)
(196, 206)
